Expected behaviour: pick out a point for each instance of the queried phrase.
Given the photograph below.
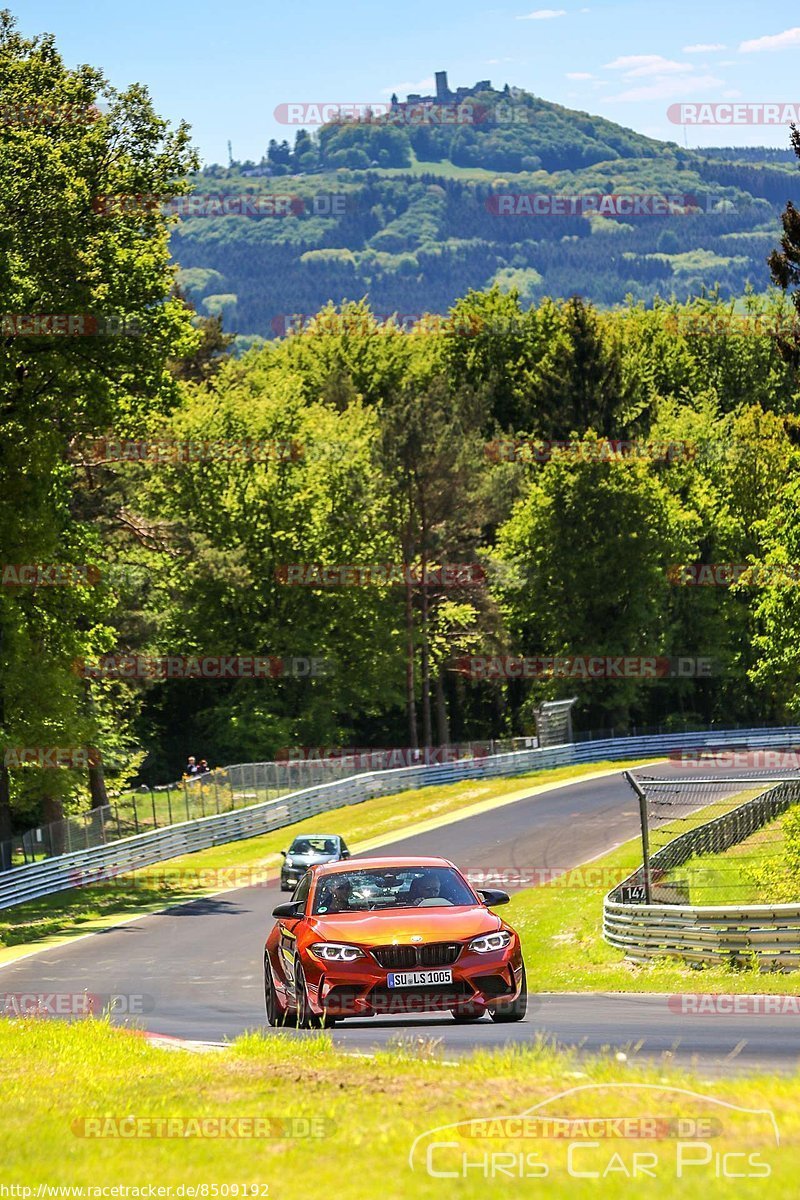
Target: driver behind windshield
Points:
(427, 887)
(337, 896)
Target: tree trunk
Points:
(411, 705)
(5, 819)
(425, 664)
(97, 784)
(53, 816)
(442, 723)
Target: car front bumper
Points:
(361, 989)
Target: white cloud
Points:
(669, 87)
(579, 75)
(731, 94)
(704, 48)
(544, 14)
(423, 87)
(775, 41)
(637, 66)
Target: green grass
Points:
(729, 878)
(369, 1111)
(83, 909)
(444, 170)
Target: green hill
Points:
(406, 212)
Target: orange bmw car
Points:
(391, 936)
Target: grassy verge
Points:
(366, 1114)
(747, 873)
(82, 910)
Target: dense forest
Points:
(392, 519)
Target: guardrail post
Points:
(186, 800)
(642, 795)
(135, 812)
(216, 792)
(169, 805)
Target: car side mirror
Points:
(290, 910)
(493, 896)
(284, 853)
(345, 854)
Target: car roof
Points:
(360, 864)
(311, 837)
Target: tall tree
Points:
(87, 330)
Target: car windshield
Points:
(391, 888)
(313, 845)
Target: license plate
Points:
(399, 979)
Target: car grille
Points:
(435, 954)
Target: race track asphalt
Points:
(198, 966)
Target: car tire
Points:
(515, 1010)
(467, 1014)
(306, 1018)
(276, 1016)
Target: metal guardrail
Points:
(730, 934)
(222, 789)
(87, 865)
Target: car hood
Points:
(399, 926)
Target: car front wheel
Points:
(306, 1017)
(276, 1016)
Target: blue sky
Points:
(224, 67)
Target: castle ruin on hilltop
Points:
(443, 93)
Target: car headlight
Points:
(491, 941)
(336, 952)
